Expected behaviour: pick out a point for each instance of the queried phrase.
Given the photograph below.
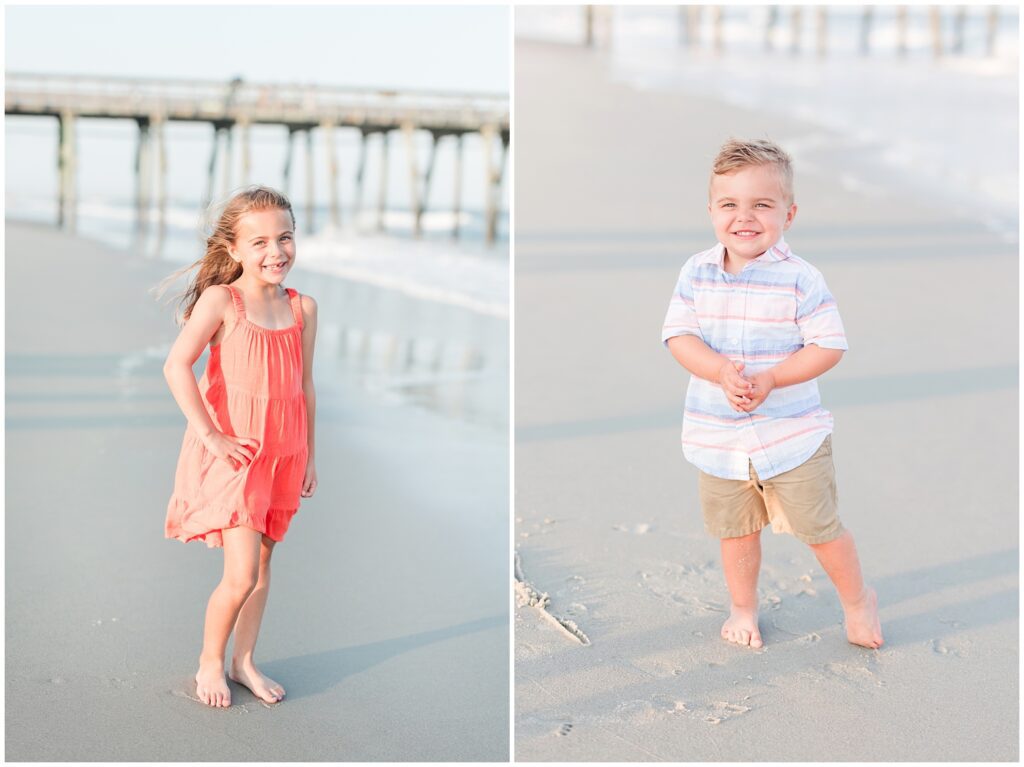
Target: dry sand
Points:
(387, 621)
(610, 200)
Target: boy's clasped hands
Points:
(745, 394)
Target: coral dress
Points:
(252, 387)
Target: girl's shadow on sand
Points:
(320, 671)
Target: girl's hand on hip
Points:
(239, 452)
(309, 481)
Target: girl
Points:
(248, 449)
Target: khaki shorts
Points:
(801, 501)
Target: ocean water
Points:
(945, 130)
(413, 321)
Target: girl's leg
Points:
(247, 627)
(860, 603)
(241, 569)
(741, 561)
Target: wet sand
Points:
(387, 620)
(610, 201)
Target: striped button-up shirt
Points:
(774, 307)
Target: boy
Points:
(756, 325)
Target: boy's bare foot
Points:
(862, 625)
(263, 687)
(741, 627)
(211, 686)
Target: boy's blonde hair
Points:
(736, 154)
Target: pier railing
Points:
(255, 103)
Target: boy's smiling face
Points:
(749, 211)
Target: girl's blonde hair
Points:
(216, 267)
(736, 154)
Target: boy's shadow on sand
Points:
(320, 671)
(950, 618)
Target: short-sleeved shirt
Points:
(774, 307)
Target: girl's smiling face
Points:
(265, 244)
(749, 210)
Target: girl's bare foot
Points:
(862, 625)
(741, 627)
(263, 687)
(211, 686)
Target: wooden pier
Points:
(946, 26)
(231, 108)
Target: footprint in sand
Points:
(658, 708)
(564, 730)
(670, 705)
(859, 676)
(720, 711)
(641, 529)
(947, 649)
(684, 586)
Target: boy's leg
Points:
(839, 559)
(741, 562)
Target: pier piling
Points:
(769, 29)
(229, 159)
(935, 15)
(414, 177)
(822, 30)
(992, 24)
(212, 169)
(159, 128)
(901, 30)
(428, 175)
(289, 152)
(67, 162)
(243, 129)
(143, 160)
(327, 126)
(867, 17)
(310, 182)
(457, 192)
(716, 26)
(360, 175)
(382, 194)
(796, 27)
(959, 20)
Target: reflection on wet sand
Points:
(408, 350)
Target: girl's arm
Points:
(309, 318)
(207, 315)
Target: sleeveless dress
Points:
(252, 387)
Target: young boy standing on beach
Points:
(756, 325)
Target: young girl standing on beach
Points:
(248, 449)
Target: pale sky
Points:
(421, 47)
